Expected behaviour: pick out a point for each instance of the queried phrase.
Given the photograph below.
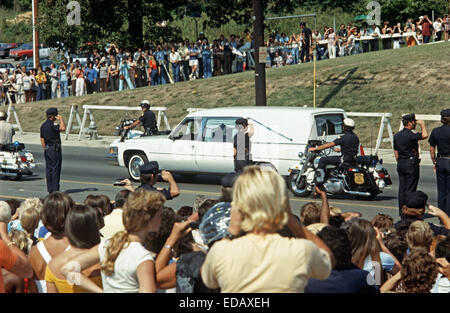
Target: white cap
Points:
(349, 122)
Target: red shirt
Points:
(7, 261)
(426, 29)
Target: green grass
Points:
(397, 81)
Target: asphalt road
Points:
(87, 171)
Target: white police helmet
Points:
(3, 115)
(349, 122)
(145, 103)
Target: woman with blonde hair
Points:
(126, 266)
(261, 260)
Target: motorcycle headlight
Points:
(300, 155)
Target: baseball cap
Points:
(149, 168)
(215, 223)
(349, 122)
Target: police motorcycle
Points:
(364, 179)
(15, 161)
(127, 133)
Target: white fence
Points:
(162, 114)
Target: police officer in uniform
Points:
(440, 137)
(148, 120)
(406, 151)
(349, 144)
(51, 142)
(149, 177)
(242, 144)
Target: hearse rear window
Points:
(331, 124)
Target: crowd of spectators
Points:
(157, 63)
(248, 240)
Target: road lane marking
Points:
(199, 192)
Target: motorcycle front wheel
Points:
(300, 189)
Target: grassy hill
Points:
(398, 81)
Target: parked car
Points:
(203, 141)
(28, 63)
(5, 66)
(81, 57)
(26, 51)
(5, 49)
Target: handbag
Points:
(121, 77)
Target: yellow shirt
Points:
(40, 78)
(63, 286)
(270, 263)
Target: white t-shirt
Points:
(387, 264)
(442, 285)
(437, 26)
(124, 279)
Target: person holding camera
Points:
(149, 177)
(406, 151)
(51, 142)
(426, 28)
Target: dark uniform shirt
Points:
(349, 143)
(243, 148)
(164, 191)
(148, 120)
(440, 137)
(50, 133)
(307, 34)
(406, 142)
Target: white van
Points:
(203, 142)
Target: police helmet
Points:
(3, 116)
(349, 122)
(145, 104)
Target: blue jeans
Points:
(40, 93)
(162, 76)
(176, 72)
(296, 54)
(154, 77)
(207, 69)
(64, 89)
(128, 82)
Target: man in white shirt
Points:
(175, 60)
(6, 130)
(375, 33)
(54, 80)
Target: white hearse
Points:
(203, 142)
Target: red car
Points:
(23, 52)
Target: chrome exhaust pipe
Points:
(358, 193)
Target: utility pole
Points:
(35, 34)
(260, 53)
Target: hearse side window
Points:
(219, 129)
(189, 129)
(331, 124)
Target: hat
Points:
(242, 121)
(445, 113)
(228, 181)
(349, 122)
(52, 111)
(145, 103)
(409, 117)
(416, 199)
(215, 222)
(149, 168)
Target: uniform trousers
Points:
(408, 176)
(53, 162)
(443, 184)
